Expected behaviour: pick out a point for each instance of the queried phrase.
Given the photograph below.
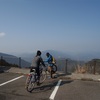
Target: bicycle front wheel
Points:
(30, 84)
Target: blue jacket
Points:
(49, 59)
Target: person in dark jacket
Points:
(37, 60)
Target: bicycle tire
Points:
(53, 70)
(43, 76)
(29, 84)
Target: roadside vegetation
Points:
(92, 67)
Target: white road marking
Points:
(11, 80)
(55, 90)
(98, 79)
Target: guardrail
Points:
(10, 61)
(64, 65)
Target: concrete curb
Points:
(84, 77)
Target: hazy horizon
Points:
(28, 56)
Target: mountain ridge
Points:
(14, 59)
(56, 54)
(86, 56)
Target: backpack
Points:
(53, 60)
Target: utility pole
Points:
(94, 67)
(1, 61)
(20, 62)
(66, 66)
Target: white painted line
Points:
(98, 79)
(55, 90)
(11, 80)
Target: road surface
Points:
(12, 87)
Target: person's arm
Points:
(48, 59)
(42, 62)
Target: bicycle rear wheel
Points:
(54, 68)
(43, 76)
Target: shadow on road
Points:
(49, 85)
(66, 82)
(2, 97)
(44, 87)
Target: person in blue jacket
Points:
(49, 61)
(49, 58)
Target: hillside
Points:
(93, 66)
(14, 60)
(5, 63)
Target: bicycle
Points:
(31, 81)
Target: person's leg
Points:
(38, 76)
(50, 69)
(52, 72)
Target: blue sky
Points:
(71, 26)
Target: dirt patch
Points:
(18, 70)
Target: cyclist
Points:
(37, 60)
(50, 62)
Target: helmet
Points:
(38, 52)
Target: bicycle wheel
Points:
(43, 76)
(54, 68)
(30, 84)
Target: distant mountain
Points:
(56, 54)
(59, 55)
(86, 56)
(28, 57)
(14, 60)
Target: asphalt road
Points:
(68, 89)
